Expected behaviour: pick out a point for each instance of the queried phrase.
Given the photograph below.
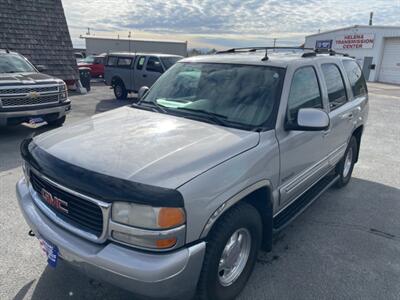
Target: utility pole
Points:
(88, 31)
(371, 15)
(275, 42)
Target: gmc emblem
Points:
(55, 202)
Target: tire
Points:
(345, 167)
(215, 284)
(120, 91)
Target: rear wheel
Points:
(120, 91)
(231, 253)
(345, 167)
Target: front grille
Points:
(82, 214)
(26, 90)
(26, 101)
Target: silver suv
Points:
(127, 72)
(176, 195)
(26, 94)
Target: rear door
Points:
(139, 73)
(154, 69)
(341, 112)
(302, 155)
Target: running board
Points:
(298, 206)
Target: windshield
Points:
(10, 63)
(88, 60)
(240, 96)
(169, 61)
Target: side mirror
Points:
(310, 119)
(41, 68)
(142, 91)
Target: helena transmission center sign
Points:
(355, 41)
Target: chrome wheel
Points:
(234, 257)
(348, 162)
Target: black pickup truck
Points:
(26, 94)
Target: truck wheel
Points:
(58, 122)
(120, 91)
(231, 253)
(345, 167)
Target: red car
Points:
(95, 63)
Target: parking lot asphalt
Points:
(346, 245)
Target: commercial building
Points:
(376, 48)
(98, 45)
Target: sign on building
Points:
(355, 41)
(323, 44)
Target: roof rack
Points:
(306, 54)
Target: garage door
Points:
(390, 68)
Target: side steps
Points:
(298, 206)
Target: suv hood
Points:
(146, 147)
(26, 78)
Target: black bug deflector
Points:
(99, 186)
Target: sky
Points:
(223, 23)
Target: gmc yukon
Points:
(175, 195)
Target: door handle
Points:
(347, 115)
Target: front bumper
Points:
(153, 276)
(20, 115)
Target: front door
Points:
(139, 73)
(302, 152)
(154, 69)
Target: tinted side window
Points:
(112, 61)
(304, 92)
(356, 78)
(140, 62)
(154, 65)
(336, 88)
(124, 62)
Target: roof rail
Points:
(314, 52)
(254, 49)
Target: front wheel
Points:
(231, 253)
(345, 167)
(120, 91)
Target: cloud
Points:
(224, 23)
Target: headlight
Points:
(63, 91)
(147, 227)
(148, 217)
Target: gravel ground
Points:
(346, 245)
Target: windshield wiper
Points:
(152, 105)
(214, 117)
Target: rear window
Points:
(124, 62)
(356, 78)
(112, 61)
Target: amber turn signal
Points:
(169, 217)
